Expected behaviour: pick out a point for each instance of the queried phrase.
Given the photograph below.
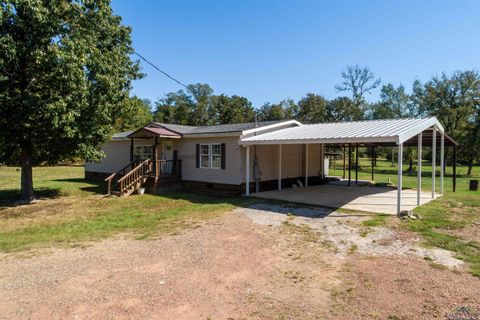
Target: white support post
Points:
(322, 160)
(442, 159)
(399, 182)
(306, 165)
(434, 159)
(419, 169)
(247, 171)
(279, 167)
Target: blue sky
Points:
(271, 50)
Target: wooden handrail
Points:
(109, 180)
(133, 170)
(120, 173)
(135, 176)
(130, 181)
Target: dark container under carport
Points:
(473, 185)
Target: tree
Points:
(135, 113)
(455, 101)
(344, 109)
(175, 107)
(65, 74)
(234, 109)
(271, 112)
(188, 108)
(313, 108)
(358, 81)
(394, 103)
(202, 95)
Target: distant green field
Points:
(384, 170)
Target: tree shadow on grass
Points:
(89, 185)
(11, 197)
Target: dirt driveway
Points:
(255, 263)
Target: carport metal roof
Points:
(373, 132)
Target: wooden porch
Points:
(136, 174)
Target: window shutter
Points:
(197, 156)
(222, 150)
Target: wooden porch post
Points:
(155, 173)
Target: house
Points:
(208, 158)
(269, 155)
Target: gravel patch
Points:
(346, 233)
(225, 268)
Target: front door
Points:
(167, 150)
(167, 155)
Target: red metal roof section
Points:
(147, 132)
(163, 132)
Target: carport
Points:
(395, 133)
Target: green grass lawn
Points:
(72, 210)
(385, 171)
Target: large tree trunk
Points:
(470, 167)
(26, 176)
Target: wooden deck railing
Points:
(114, 177)
(167, 168)
(133, 180)
(133, 175)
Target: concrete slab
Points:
(359, 198)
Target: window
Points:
(216, 156)
(142, 152)
(210, 156)
(204, 156)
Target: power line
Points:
(163, 72)
(137, 53)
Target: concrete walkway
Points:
(360, 198)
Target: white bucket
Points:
(141, 191)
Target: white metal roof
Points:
(373, 131)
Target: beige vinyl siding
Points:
(117, 156)
(293, 161)
(186, 148)
(314, 166)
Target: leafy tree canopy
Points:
(135, 113)
(455, 101)
(65, 75)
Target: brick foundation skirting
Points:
(221, 189)
(236, 190)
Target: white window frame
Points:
(136, 156)
(210, 156)
(218, 155)
(201, 155)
